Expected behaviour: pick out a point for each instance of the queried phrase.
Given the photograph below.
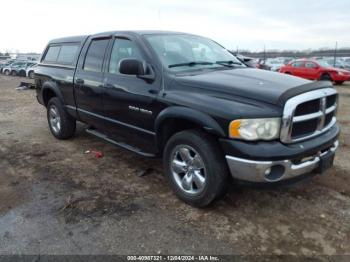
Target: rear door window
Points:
(52, 54)
(298, 64)
(67, 54)
(310, 65)
(95, 55)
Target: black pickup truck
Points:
(187, 99)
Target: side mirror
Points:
(130, 66)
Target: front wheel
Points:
(31, 74)
(326, 77)
(195, 167)
(13, 73)
(7, 72)
(61, 124)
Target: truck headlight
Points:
(255, 129)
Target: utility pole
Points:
(264, 54)
(335, 53)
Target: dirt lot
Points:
(54, 199)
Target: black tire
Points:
(288, 73)
(339, 82)
(13, 73)
(31, 74)
(22, 73)
(67, 123)
(215, 168)
(325, 77)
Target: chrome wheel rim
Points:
(55, 120)
(188, 170)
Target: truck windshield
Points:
(180, 52)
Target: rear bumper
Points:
(274, 171)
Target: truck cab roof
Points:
(82, 38)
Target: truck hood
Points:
(266, 86)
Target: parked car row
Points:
(343, 63)
(273, 64)
(18, 68)
(316, 68)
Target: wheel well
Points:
(288, 73)
(172, 126)
(47, 95)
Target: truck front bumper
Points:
(274, 161)
(273, 171)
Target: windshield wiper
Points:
(228, 63)
(190, 64)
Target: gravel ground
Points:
(55, 199)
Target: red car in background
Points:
(316, 70)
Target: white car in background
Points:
(274, 63)
(340, 62)
(30, 71)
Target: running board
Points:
(121, 144)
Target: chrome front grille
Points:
(308, 115)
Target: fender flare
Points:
(192, 115)
(52, 87)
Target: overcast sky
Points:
(249, 24)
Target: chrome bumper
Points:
(273, 171)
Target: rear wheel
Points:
(195, 167)
(13, 73)
(7, 72)
(325, 77)
(339, 82)
(61, 124)
(288, 73)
